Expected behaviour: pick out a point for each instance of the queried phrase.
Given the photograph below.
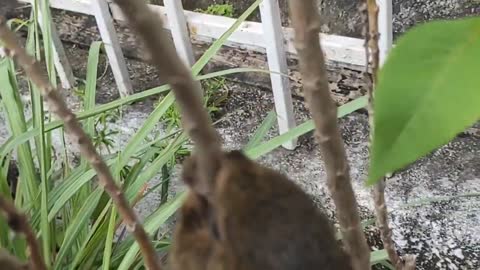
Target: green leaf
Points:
(42, 145)
(17, 124)
(213, 49)
(68, 188)
(261, 132)
(107, 251)
(92, 242)
(76, 225)
(151, 224)
(150, 171)
(149, 124)
(378, 256)
(301, 129)
(91, 85)
(13, 142)
(428, 91)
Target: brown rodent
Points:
(9, 262)
(256, 218)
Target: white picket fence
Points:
(268, 36)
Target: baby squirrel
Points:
(256, 218)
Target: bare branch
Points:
(370, 16)
(306, 22)
(188, 93)
(19, 224)
(73, 127)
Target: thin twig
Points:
(188, 93)
(306, 23)
(19, 224)
(369, 13)
(72, 125)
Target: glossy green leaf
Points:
(428, 91)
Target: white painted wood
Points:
(62, 65)
(204, 27)
(277, 62)
(385, 28)
(80, 6)
(249, 35)
(179, 30)
(112, 46)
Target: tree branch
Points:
(188, 93)
(306, 22)
(370, 16)
(72, 125)
(19, 224)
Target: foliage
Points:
(76, 221)
(102, 132)
(213, 98)
(218, 9)
(428, 92)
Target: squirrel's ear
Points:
(190, 176)
(189, 171)
(194, 212)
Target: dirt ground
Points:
(444, 234)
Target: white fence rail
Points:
(268, 36)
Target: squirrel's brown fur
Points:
(256, 218)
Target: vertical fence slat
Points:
(385, 28)
(277, 62)
(179, 30)
(62, 65)
(112, 46)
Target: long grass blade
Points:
(17, 124)
(146, 128)
(152, 170)
(378, 256)
(89, 246)
(213, 49)
(301, 129)
(43, 155)
(107, 252)
(76, 225)
(91, 85)
(261, 132)
(152, 223)
(13, 142)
